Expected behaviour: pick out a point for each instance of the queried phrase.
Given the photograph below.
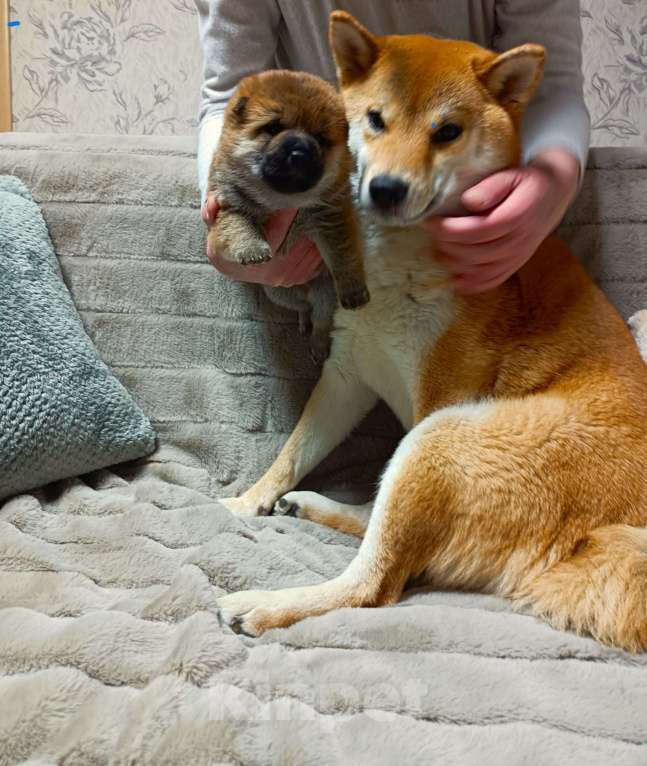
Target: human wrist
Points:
(562, 166)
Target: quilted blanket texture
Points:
(110, 646)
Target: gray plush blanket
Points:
(110, 646)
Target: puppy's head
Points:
(289, 131)
(428, 118)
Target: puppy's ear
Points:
(513, 77)
(355, 49)
(240, 108)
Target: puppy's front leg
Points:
(238, 238)
(337, 404)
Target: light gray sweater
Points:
(240, 37)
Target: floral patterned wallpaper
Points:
(105, 66)
(615, 70)
(127, 66)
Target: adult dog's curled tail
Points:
(601, 589)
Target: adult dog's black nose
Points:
(388, 192)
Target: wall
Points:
(127, 66)
(106, 66)
(615, 70)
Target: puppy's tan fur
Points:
(523, 472)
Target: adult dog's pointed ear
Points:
(355, 49)
(513, 76)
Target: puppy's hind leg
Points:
(323, 301)
(337, 235)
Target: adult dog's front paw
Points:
(249, 504)
(239, 506)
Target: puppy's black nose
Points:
(295, 165)
(388, 191)
(298, 158)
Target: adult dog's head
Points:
(428, 118)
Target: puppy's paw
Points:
(251, 253)
(305, 324)
(354, 299)
(319, 346)
(242, 250)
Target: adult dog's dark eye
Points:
(375, 121)
(449, 132)
(273, 128)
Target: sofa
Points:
(111, 650)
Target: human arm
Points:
(238, 38)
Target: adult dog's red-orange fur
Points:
(524, 472)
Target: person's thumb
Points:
(210, 210)
(491, 191)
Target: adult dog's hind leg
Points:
(445, 508)
(352, 519)
(465, 502)
(394, 548)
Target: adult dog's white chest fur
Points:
(411, 305)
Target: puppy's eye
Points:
(273, 128)
(376, 121)
(323, 140)
(449, 132)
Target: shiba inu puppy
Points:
(284, 145)
(523, 472)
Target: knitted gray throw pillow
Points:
(62, 412)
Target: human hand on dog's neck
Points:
(512, 212)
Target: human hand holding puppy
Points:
(297, 267)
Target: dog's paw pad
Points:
(319, 347)
(236, 624)
(355, 299)
(254, 255)
(284, 507)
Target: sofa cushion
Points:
(62, 412)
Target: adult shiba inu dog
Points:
(523, 470)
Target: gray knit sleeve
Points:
(557, 116)
(239, 37)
